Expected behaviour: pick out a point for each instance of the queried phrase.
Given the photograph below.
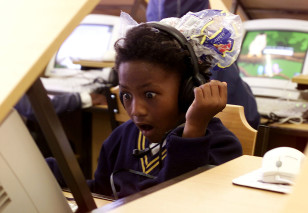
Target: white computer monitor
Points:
(26, 182)
(273, 51)
(92, 40)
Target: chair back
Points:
(234, 119)
(117, 113)
(121, 116)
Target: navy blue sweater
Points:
(179, 155)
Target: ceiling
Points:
(136, 8)
(247, 9)
(257, 9)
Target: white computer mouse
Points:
(281, 165)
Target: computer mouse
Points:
(281, 165)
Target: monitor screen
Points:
(87, 42)
(92, 40)
(272, 53)
(275, 54)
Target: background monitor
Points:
(26, 182)
(273, 51)
(92, 40)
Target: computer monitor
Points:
(26, 182)
(273, 51)
(93, 40)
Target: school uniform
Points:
(176, 156)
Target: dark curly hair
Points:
(145, 43)
(148, 44)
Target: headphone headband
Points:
(185, 45)
(195, 79)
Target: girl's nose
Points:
(138, 108)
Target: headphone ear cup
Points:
(186, 96)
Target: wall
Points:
(136, 8)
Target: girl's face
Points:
(150, 97)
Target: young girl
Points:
(165, 137)
(172, 129)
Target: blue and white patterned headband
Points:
(211, 32)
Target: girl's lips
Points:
(145, 127)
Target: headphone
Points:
(186, 96)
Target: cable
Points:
(140, 153)
(273, 118)
(293, 120)
(114, 192)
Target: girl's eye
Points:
(126, 96)
(150, 95)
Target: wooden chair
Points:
(232, 117)
(116, 110)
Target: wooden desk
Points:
(276, 135)
(296, 127)
(95, 64)
(98, 201)
(209, 191)
(300, 79)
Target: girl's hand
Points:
(210, 98)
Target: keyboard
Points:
(270, 93)
(69, 85)
(273, 88)
(67, 80)
(281, 107)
